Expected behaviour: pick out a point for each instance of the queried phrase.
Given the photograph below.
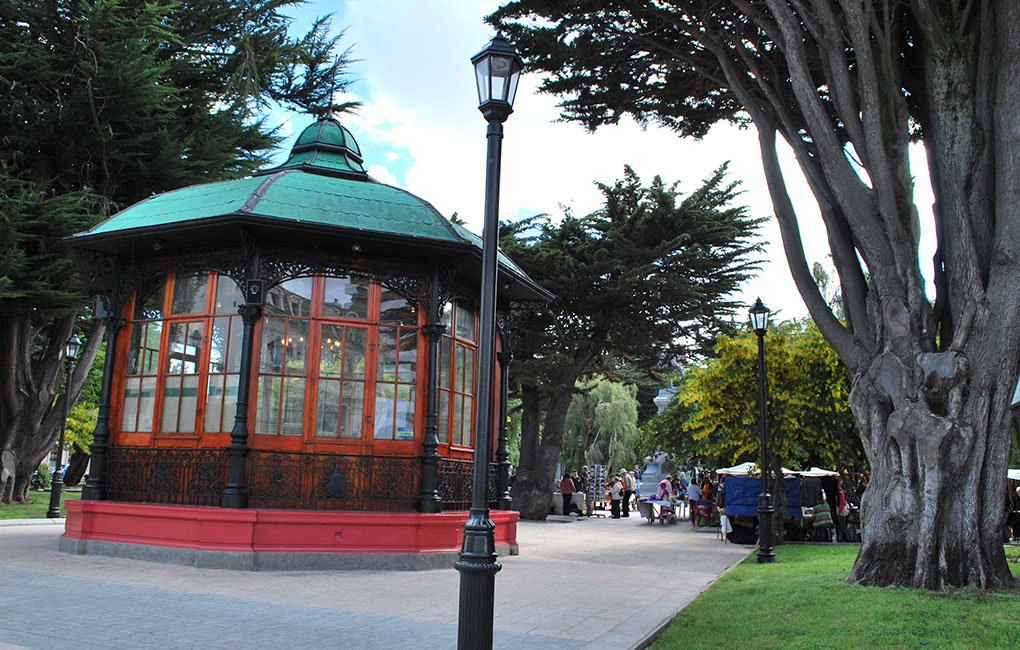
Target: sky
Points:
(419, 128)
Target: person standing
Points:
(693, 496)
(615, 496)
(567, 490)
(842, 512)
(629, 485)
(588, 487)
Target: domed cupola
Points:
(325, 147)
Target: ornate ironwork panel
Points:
(332, 481)
(179, 476)
(455, 483)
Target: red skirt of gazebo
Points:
(274, 539)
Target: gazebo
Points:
(289, 376)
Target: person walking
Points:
(567, 490)
(693, 496)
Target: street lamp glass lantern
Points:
(759, 317)
(497, 69)
(72, 348)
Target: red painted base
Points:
(277, 531)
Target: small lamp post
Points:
(71, 350)
(497, 68)
(766, 534)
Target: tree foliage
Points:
(849, 85)
(648, 274)
(713, 421)
(602, 425)
(103, 103)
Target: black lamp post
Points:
(71, 350)
(766, 533)
(497, 68)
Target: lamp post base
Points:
(56, 487)
(766, 531)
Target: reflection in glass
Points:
(149, 299)
(395, 309)
(189, 294)
(465, 322)
(184, 347)
(228, 296)
(345, 298)
(290, 298)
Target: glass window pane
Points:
(467, 421)
(355, 352)
(444, 417)
(468, 362)
(146, 404)
(184, 347)
(331, 351)
(383, 423)
(458, 373)
(465, 322)
(447, 316)
(297, 346)
(387, 358)
(267, 413)
(408, 355)
(171, 404)
(189, 294)
(219, 344)
(293, 407)
(345, 298)
(290, 298)
(458, 419)
(189, 404)
(352, 409)
(129, 414)
(214, 404)
(395, 309)
(273, 345)
(143, 350)
(328, 417)
(149, 299)
(444, 361)
(405, 413)
(228, 296)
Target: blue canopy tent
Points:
(742, 496)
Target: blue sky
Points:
(420, 129)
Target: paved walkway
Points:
(598, 584)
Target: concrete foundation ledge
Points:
(261, 539)
(242, 561)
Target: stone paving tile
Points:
(633, 576)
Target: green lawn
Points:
(40, 503)
(802, 601)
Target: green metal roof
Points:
(322, 184)
(294, 196)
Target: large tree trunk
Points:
(542, 438)
(932, 515)
(32, 396)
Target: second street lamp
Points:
(766, 531)
(497, 68)
(71, 350)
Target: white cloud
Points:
(420, 116)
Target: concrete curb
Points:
(32, 522)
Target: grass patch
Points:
(802, 601)
(39, 503)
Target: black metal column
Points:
(235, 495)
(429, 500)
(503, 447)
(477, 564)
(95, 485)
(766, 530)
(58, 473)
